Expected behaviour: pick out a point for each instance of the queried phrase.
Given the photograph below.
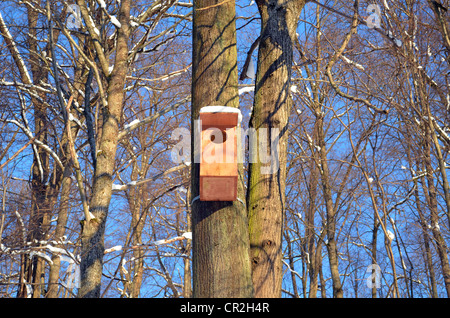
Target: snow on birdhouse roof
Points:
(222, 109)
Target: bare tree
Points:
(266, 192)
(356, 199)
(221, 265)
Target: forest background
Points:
(367, 155)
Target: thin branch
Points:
(23, 147)
(88, 61)
(150, 119)
(338, 55)
(26, 78)
(185, 236)
(61, 100)
(95, 35)
(37, 142)
(387, 35)
(76, 167)
(89, 119)
(125, 187)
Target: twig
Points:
(23, 147)
(149, 119)
(54, 64)
(337, 56)
(152, 244)
(154, 178)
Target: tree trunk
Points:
(220, 245)
(440, 13)
(426, 242)
(330, 225)
(431, 194)
(52, 291)
(139, 213)
(40, 167)
(63, 180)
(93, 229)
(187, 282)
(290, 256)
(271, 108)
(376, 226)
(310, 230)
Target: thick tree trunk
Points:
(265, 192)
(93, 229)
(63, 181)
(220, 245)
(40, 168)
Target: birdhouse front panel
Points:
(218, 166)
(218, 188)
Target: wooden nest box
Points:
(219, 153)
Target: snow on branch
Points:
(26, 87)
(246, 89)
(164, 77)
(123, 187)
(138, 123)
(157, 6)
(351, 62)
(442, 134)
(102, 4)
(45, 246)
(112, 18)
(184, 236)
(291, 270)
(37, 142)
(26, 78)
(95, 34)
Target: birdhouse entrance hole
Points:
(218, 140)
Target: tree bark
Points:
(330, 225)
(310, 230)
(220, 245)
(139, 212)
(40, 167)
(93, 229)
(52, 290)
(426, 243)
(430, 191)
(271, 108)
